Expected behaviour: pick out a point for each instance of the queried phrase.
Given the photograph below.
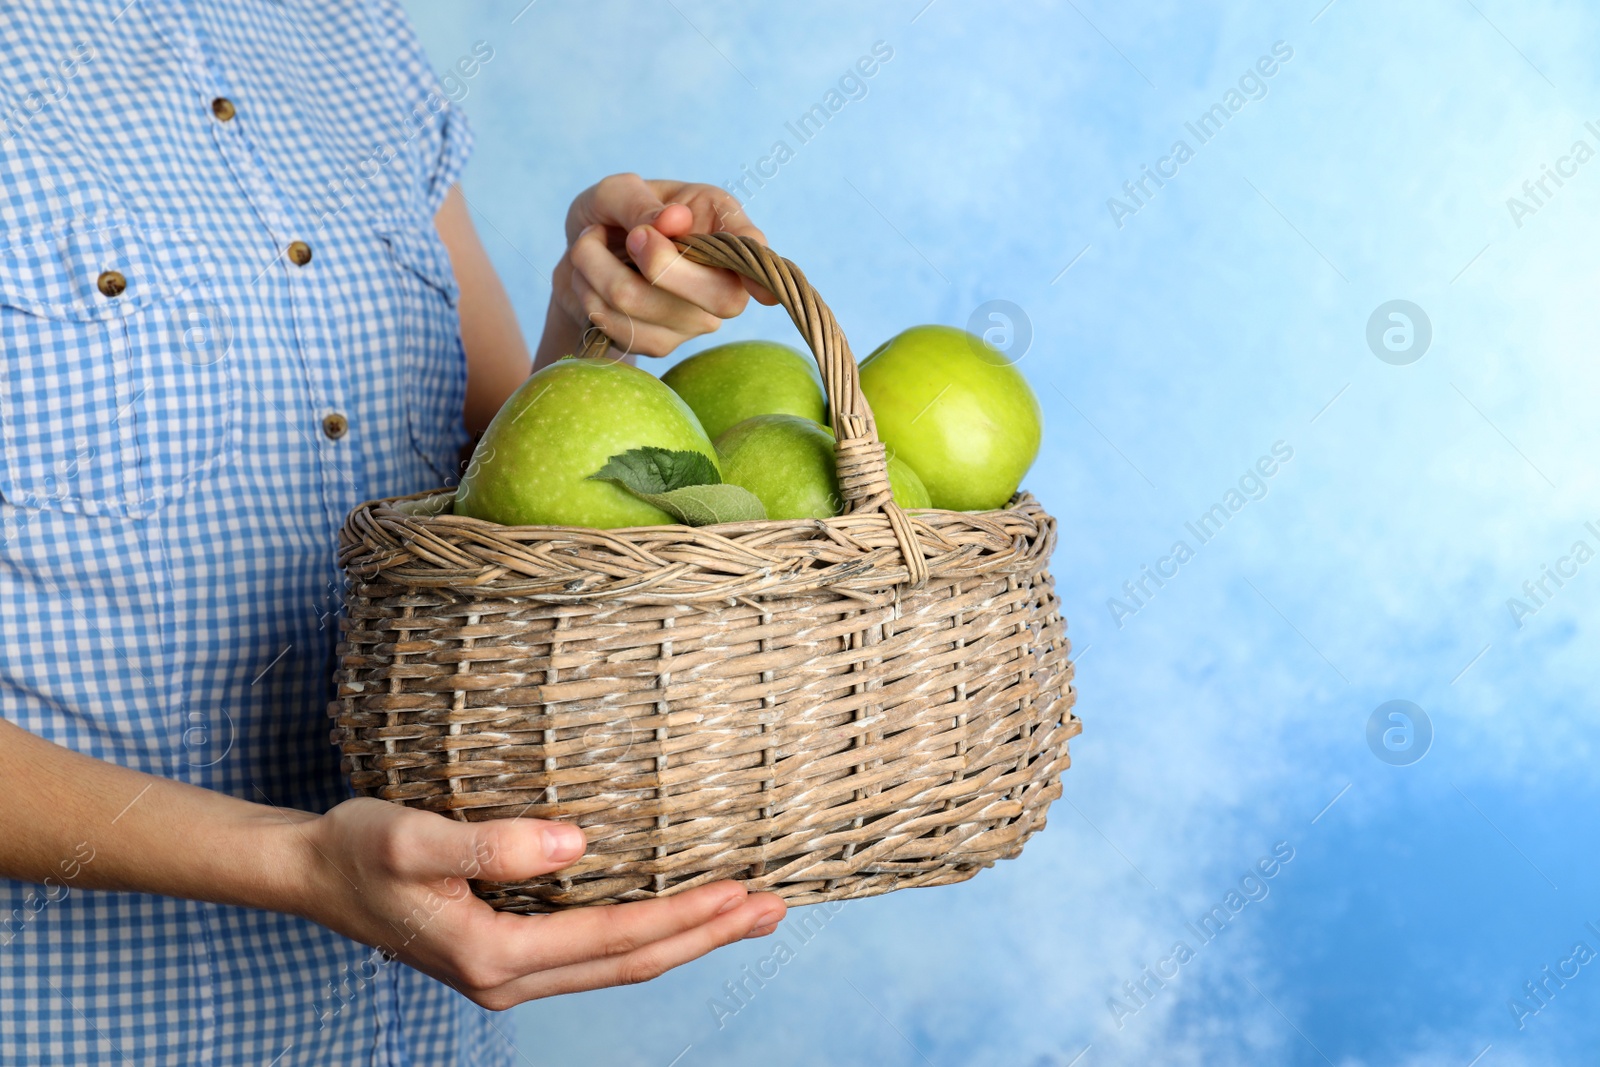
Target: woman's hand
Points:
(623, 223)
(388, 876)
(395, 878)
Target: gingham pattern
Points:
(170, 503)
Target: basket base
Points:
(978, 848)
(513, 899)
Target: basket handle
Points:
(862, 462)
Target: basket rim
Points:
(1018, 499)
(855, 554)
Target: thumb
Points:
(675, 220)
(499, 850)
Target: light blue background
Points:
(1227, 314)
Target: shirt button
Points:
(111, 283)
(335, 426)
(299, 253)
(223, 109)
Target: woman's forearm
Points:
(72, 821)
(561, 337)
(497, 354)
(382, 874)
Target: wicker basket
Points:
(824, 709)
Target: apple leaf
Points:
(703, 505)
(683, 484)
(657, 470)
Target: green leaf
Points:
(703, 505)
(657, 470)
(683, 484)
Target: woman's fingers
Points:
(407, 877)
(757, 914)
(528, 943)
(622, 201)
(666, 268)
(635, 314)
(649, 213)
(709, 210)
(674, 220)
(630, 336)
(423, 845)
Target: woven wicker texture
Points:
(825, 709)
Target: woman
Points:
(239, 294)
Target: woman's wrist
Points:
(98, 825)
(562, 336)
(285, 870)
(230, 851)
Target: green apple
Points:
(906, 486)
(788, 463)
(733, 382)
(533, 465)
(953, 407)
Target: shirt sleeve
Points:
(443, 144)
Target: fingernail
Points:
(764, 925)
(637, 239)
(562, 842)
(733, 902)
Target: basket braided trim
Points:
(856, 552)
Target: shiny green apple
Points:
(730, 383)
(533, 465)
(953, 407)
(788, 463)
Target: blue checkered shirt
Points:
(189, 406)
